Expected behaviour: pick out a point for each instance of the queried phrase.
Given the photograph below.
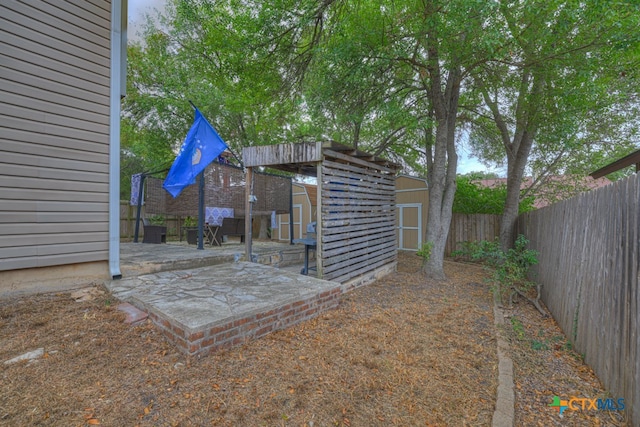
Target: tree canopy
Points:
(544, 87)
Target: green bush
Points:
(483, 252)
(425, 252)
(190, 221)
(514, 268)
(472, 198)
(509, 268)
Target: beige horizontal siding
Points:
(54, 132)
(6, 242)
(47, 184)
(22, 217)
(52, 206)
(47, 250)
(57, 255)
(41, 172)
(41, 161)
(48, 46)
(60, 195)
(38, 55)
(71, 34)
(52, 118)
(85, 103)
(49, 144)
(43, 228)
(67, 88)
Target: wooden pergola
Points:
(356, 215)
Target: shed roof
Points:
(312, 192)
(631, 159)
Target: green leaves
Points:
(473, 198)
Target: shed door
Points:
(283, 224)
(409, 218)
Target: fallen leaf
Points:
(93, 421)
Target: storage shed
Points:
(412, 206)
(303, 211)
(356, 212)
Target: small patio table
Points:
(211, 235)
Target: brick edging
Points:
(231, 333)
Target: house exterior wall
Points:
(54, 137)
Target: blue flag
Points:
(201, 146)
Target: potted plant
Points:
(191, 225)
(157, 220)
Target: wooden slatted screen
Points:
(358, 216)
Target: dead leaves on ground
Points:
(401, 351)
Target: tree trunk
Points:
(517, 158)
(517, 147)
(515, 172)
(442, 175)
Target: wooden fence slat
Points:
(348, 258)
(471, 228)
(339, 235)
(367, 267)
(356, 262)
(329, 167)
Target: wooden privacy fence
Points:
(128, 221)
(470, 228)
(588, 266)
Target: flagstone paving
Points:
(224, 303)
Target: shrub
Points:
(510, 269)
(425, 252)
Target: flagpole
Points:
(247, 215)
(139, 207)
(200, 148)
(201, 211)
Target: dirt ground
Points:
(402, 351)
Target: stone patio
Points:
(206, 300)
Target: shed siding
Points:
(54, 132)
(302, 214)
(412, 191)
(306, 212)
